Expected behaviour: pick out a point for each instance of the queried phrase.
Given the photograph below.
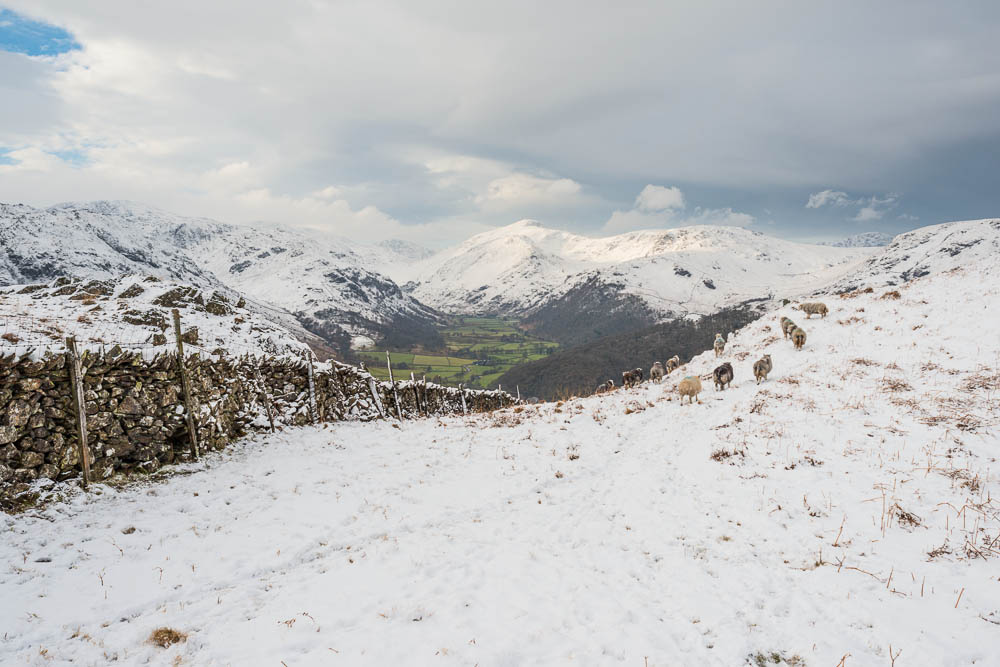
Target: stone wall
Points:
(136, 415)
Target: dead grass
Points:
(895, 384)
(894, 294)
(10, 338)
(166, 637)
(856, 293)
(861, 361)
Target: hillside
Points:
(578, 370)
(134, 312)
(846, 505)
(525, 269)
(319, 281)
(865, 240)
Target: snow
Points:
(40, 320)
(595, 531)
(523, 266)
(287, 274)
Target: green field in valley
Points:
(480, 350)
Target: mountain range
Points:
(562, 286)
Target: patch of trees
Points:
(579, 369)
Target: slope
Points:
(523, 268)
(844, 506)
(316, 279)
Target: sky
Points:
(435, 120)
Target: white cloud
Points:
(659, 198)
(876, 207)
(669, 203)
(527, 189)
(828, 197)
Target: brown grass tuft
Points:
(166, 637)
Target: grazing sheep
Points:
(787, 327)
(632, 377)
(656, 373)
(811, 309)
(719, 345)
(690, 387)
(798, 338)
(762, 367)
(723, 375)
(673, 363)
(605, 387)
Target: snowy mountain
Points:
(522, 268)
(932, 249)
(865, 240)
(846, 504)
(320, 281)
(134, 312)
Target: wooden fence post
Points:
(267, 399)
(341, 388)
(375, 397)
(500, 396)
(416, 392)
(76, 380)
(518, 387)
(461, 390)
(307, 355)
(185, 386)
(427, 407)
(395, 394)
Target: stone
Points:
(129, 406)
(48, 471)
(159, 339)
(98, 421)
(69, 457)
(8, 434)
(8, 453)
(41, 445)
(31, 459)
(30, 384)
(6, 473)
(18, 413)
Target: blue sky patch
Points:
(19, 34)
(5, 158)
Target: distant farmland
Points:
(481, 349)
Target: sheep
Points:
(787, 328)
(811, 309)
(632, 377)
(656, 373)
(605, 387)
(673, 363)
(798, 338)
(690, 386)
(719, 345)
(762, 367)
(723, 376)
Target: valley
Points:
(480, 350)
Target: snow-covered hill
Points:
(320, 280)
(692, 270)
(847, 504)
(865, 240)
(929, 250)
(134, 312)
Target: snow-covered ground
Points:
(847, 504)
(134, 312)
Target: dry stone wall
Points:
(135, 410)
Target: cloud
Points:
(515, 118)
(870, 208)
(525, 188)
(828, 197)
(659, 207)
(876, 207)
(659, 198)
